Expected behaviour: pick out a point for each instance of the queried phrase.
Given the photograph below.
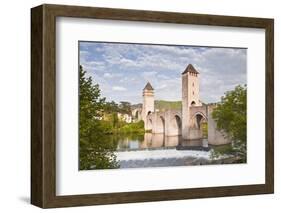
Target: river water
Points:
(157, 150)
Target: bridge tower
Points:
(190, 96)
(148, 103)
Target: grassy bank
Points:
(123, 127)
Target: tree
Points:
(111, 107)
(90, 102)
(231, 117)
(125, 107)
(94, 150)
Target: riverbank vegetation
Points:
(231, 118)
(204, 127)
(97, 119)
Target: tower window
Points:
(192, 92)
(193, 84)
(193, 103)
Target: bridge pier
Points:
(215, 137)
(159, 123)
(173, 123)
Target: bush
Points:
(231, 117)
(137, 127)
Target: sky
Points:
(122, 70)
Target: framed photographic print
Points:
(136, 106)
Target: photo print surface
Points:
(154, 105)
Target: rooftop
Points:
(190, 69)
(148, 87)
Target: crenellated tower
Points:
(190, 96)
(148, 102)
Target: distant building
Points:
(125, 117)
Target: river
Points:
(157, 150)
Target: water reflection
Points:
(157, 141)
(131, 151)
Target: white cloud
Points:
(148, 74)
(118, 88)
(107, 75)
(133, 65)
(83, 55)
(112, 75)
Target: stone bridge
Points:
(186, 122)
(167, 122)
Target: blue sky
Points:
(122, 69)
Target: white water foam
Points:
(161, 154)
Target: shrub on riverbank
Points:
(122, 127)
(137, 127)
(231, 117)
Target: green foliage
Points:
(110, 107)
(99, 126)
(94, 150)
(137, 127)
(125, 107)
(225, 149)
(204, 127)
(122, 127)
(114, 120)
(162, 105)
(231, 117)
(97, 152)
(90, 106)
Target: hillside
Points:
(162, 105)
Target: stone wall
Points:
(168, 122)
(215, 137)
